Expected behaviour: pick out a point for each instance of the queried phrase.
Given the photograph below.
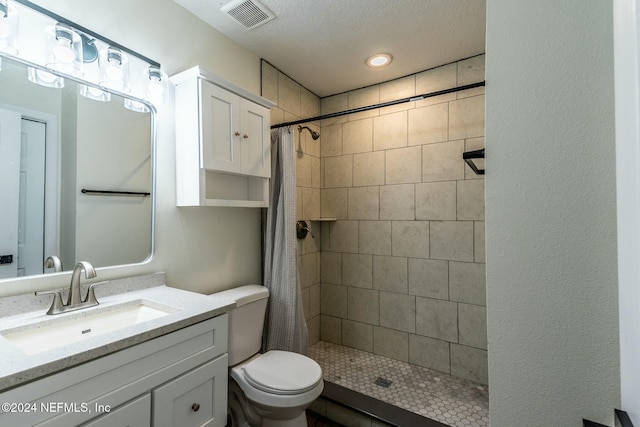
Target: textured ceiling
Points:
(323, 44)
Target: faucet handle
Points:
(56, 305)
(91, 293)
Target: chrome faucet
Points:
(74, 289)
(53, 262)
(74, 300)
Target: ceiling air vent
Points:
(250, 13)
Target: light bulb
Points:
(63, 52)
(113, 71)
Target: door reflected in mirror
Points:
(53, 144)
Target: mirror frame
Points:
(152, 152)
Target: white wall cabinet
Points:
(178, 379)
(223, 143)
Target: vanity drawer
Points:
(136, 413)
(197, 398)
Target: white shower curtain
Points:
(286, 327)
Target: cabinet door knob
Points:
(237, 133)
(195, 407)
(245, 136)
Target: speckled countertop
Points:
(18, 368)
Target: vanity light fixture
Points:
(64, 50)
(9, 22)
(379, 60)
(114, 69)
(155, 86)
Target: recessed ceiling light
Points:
(379, 60)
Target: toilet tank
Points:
(246, 321)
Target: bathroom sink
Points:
(82, 325)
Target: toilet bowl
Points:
(271, 389)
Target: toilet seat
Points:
(282, 373)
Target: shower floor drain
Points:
(383, 382)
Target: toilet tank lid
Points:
(244, 294)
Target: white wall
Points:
(627, 61)
(201, 249)
(551, 213)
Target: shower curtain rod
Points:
(382, 104)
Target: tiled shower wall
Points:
(295, 102)
(401, 271)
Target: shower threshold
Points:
(399, 393)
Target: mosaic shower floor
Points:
(449, 400)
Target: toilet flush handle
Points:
(195, 407)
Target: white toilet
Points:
(272, 389)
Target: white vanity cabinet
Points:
(223, 143)
(178, 379)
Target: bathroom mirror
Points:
(56, 148)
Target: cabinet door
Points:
(136, 413)
(256, 139)
(197, 398)
(220, 129)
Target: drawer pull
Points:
(245, 136)
(237, 133)
(195, 407)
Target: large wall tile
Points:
(331, 329)
(451, 240)
(270, 82)
(434, 80)
(357, 136)
(391, 343)
(390, 274)
(303, 170)
(338, 171)
(331, 267)
(436, 201)
(466, 118)
(333, 300)
(404, 87)
(470, 200)
(357, 335)
(357, 270)
(437, 319)
(471, 70)
(313, 327)
(333, 203)
(340, 236)
(472, 323)
(410, 239)
(469, 363)
(368, 168)
(307, 270)
(430, 353)
(429, 124)
(314, 300)
(467, 282)
(311, 203)
(403, 165)
(397, 202)
(478, 241)
(374, 237)
(362, 305)
(331, 144)
(390, 131)
(429, 278)
(334, 104)
(443, 161)
(364, 203)
(288, 94)
(309, 103)
(398, 311)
